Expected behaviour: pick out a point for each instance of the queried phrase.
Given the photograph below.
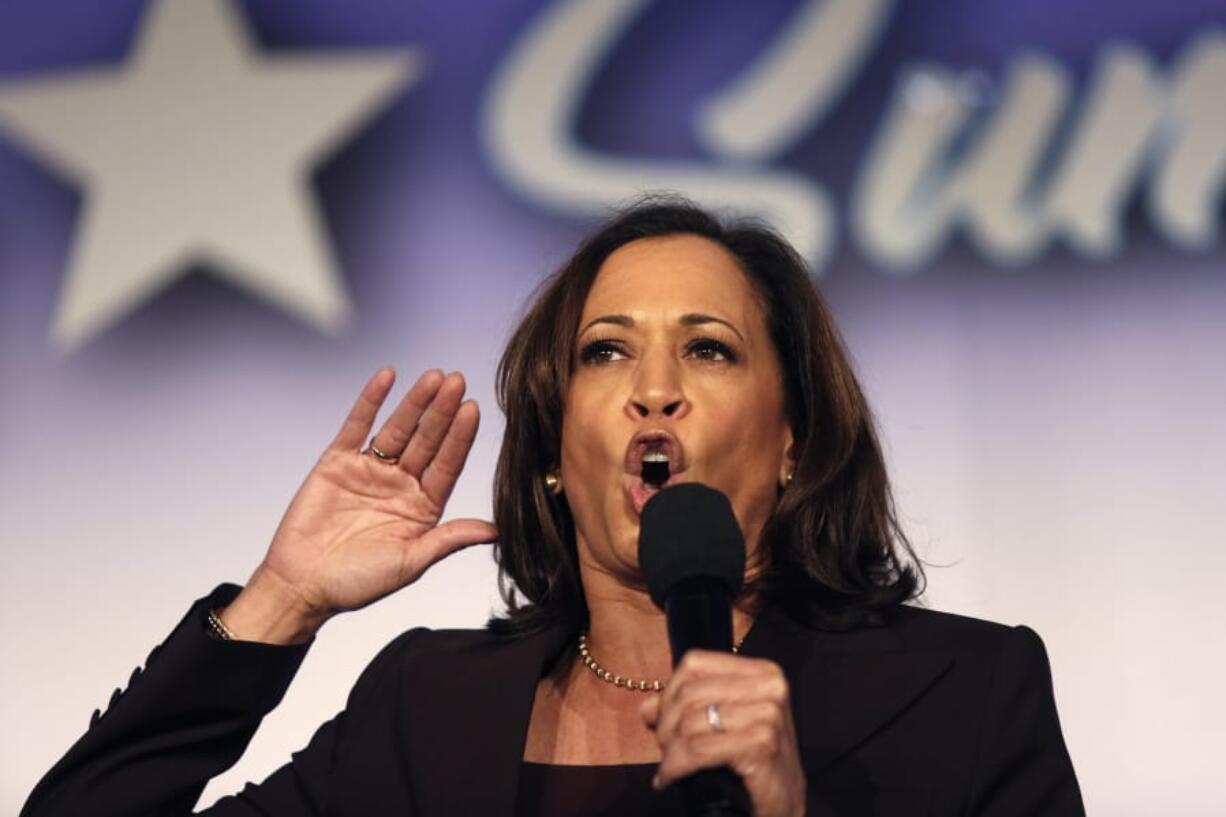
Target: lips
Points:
(643, 444)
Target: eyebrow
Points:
(690, 319)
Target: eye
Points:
(711, 349)
(601, 351)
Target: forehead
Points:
(678, 273)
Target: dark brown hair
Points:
(834, 552)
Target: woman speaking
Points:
(671, 348)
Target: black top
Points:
(931, 714)
(548, 790)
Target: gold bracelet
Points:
(217, 628)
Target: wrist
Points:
(270, 611)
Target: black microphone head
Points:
(689, 530)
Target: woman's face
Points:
(674, 367)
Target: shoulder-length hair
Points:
(834, 552)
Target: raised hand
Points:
(366, 520)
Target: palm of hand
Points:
(360, 528)
(355, 526)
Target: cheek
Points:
(751, 419)
(747, 431)
(593, 449)
(747, 456)
(586, 434)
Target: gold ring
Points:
(388, 458)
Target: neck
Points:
(628, 634)
(578, 718)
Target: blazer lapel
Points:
(845, 686)
(469, 722)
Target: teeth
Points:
(655, 466)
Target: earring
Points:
(553, 482)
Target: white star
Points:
(199, 150)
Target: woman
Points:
(704, 351)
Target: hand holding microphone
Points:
(724, 722)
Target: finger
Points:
(356, 427)
(707, 662)
(723, 691)
(696, 665)
(744, 751)
(455, 535)
(433, 426)
(734, 716)
(398, 429)
(441, 474)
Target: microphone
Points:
(692, 555)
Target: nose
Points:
(657, 391)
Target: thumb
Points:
(649, 710)
(455, 535)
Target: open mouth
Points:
(654, 460)
(655, 469)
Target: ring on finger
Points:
(379, 455)
(713, 718)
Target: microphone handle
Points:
(699, 614)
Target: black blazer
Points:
(934, 714)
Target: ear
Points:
(787, 462)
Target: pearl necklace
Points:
(603, 674)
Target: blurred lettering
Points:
(1016, 187)
(534, 99)
(1017, 167)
